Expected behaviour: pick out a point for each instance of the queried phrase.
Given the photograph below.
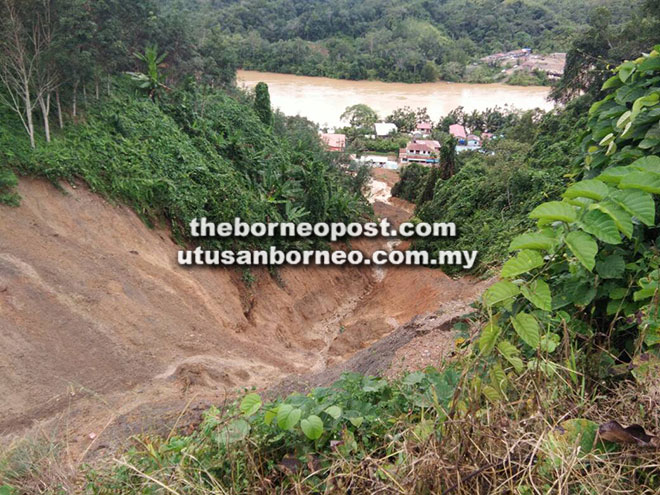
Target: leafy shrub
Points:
(237, 448)
(589, 276)
(411, 181)
(7, 183)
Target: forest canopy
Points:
(389, 40)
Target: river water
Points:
(323, 100)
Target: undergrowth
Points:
(407, 435)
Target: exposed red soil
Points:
(102, 330)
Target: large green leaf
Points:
(649, 163)
(488, 338)
(644, 101)
(333, 411)
(250, 404)
(527, 329)
(312, 427)
(614, 174)
(584, 247)
(511, 354)
(638, 203)
(650, 63)
(554, 210)
(593, 189)
(622, 219)
(612, 82)
(288, 416)
(234, 432)
(611, 267)
(625, 70)
(534, 240)
(538, 293)
(602, 226)
(644, 181)
(523, 262)
(500, 292)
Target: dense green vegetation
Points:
(171, 146)
(391, 40)
(492, 191)
(605, 44)
(593, 261)
(196, 155)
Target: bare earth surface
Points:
(104, 335)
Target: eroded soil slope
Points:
(95, 314)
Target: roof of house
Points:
(432, 143)
(384, 128)
(473, 137)
(458, 131)
(417, 146)
(334, 140)
(424, 126)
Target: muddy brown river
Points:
(323, 100)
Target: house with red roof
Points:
(473, 140)
(420, 151)
(424, 128)
(334, 142)
(432, 143)
(459, 132)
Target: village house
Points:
(465, 140)
(459, 132)
(423, 151)
(474, 141)
(497, 58)
(334, 142)
(424, 128)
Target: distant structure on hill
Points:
(523, 59)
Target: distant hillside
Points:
(392, 40)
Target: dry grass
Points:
(36, 464)
(501, 448)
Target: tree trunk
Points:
(74, 107)
(60, 119)
(44, 103)
(96, 87)
(28, 113)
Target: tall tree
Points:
(448, 158)
(262, 103)
(151, 80)
(23, 52)
(360, 116)
(75, 50)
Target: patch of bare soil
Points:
(104, 335)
